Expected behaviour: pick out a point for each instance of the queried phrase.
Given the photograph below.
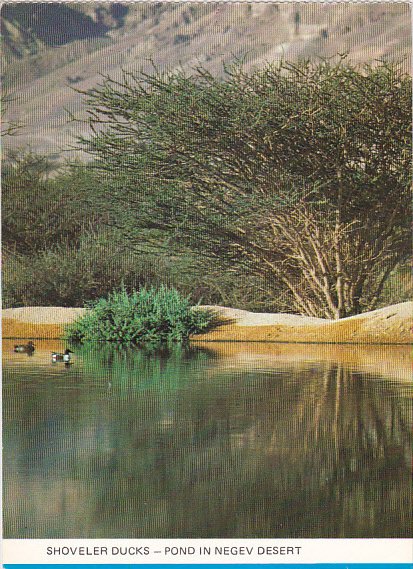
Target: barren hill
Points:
(51, 48)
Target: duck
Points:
(24, 348)
(65, 357)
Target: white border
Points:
(223, 551)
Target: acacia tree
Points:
(297, 172)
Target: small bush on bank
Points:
(142, 317)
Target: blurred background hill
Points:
(49, 48)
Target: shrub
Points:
(44, 205)
(72, 275)
(142, 317)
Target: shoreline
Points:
(390, 361)
(390, 325)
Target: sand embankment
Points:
(37, 321)
(390, 325)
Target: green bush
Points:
(142, 317)
(44, 205)
(73, 275)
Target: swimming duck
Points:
(24, 348)
(66, 357)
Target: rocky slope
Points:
(49, 48)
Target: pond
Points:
(236, 440)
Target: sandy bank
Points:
(390, 325)
(37, 321)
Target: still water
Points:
(219, 440)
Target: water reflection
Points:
(222, 440)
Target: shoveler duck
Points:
(65, 357)
(24, 348)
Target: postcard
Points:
(207, 316)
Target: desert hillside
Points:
(52, 49)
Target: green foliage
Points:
(398, 287)
(42, 205)
(147, 316)
(299, 173)
(58, 250)
(68, 275)
(211, 187)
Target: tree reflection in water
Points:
(192, 443)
